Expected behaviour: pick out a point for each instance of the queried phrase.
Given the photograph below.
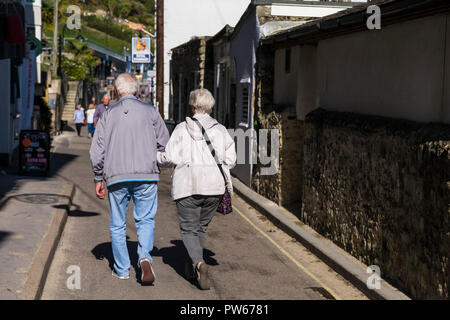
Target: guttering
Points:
(306, 3)
(354, 20)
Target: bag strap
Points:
(211, 149)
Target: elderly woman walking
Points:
(78, 118)
(197, 182)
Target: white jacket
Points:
(196, 172)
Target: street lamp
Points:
(60, 47)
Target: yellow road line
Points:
(288, 255)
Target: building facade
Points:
(184, 19)
(371, 111)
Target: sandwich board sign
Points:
(34, 152)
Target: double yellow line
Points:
(287, 254)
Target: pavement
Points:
(50, 227)
(342, 262)
(32, 214)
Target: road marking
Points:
(288, 255)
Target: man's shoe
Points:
(203, 279)
(148, 275)
(114, 274)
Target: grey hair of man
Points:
(125, 84)
(202, 101)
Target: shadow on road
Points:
(76, 212)
(11, 182)
(4, 235)
(173, 256)
(176, 255)
(104, 250)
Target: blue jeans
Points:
(144, 195)
(91, 129)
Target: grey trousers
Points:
(195, 213)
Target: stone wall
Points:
(189, 60)
(380, 189)
(284, 187)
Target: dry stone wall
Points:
(380, 189)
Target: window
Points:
(287, 60)
(245, 102)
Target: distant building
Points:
(184, 19)
(261, 19)
(188, 71)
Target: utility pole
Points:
(55, 39)
(160, 56)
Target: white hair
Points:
(202, 100)
(125, 84)
(106, 95)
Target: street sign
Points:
(34, 152)
(140, 50)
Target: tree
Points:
(82, 63)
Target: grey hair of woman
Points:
(202, 101)
(125, 84)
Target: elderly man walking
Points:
(102, 107)
(123, 153)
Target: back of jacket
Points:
(196, 171)
(126, 140)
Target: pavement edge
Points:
(37, 274)
(331, 254)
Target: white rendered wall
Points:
(395, 72)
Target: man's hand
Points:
(100, 190)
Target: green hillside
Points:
(103, 30)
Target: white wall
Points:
(401, 71)
(285, 84)
(396, 72)
(184, 19)
(243, 46)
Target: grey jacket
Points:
(126, 140)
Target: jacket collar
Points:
(127, 96)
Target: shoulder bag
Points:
(225, 206)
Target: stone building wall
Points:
(189, 60)
(380, 189)
(284, 187)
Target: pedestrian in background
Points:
(197, 182)
(92, 103)
(102, 107)
(78, 117)
(123, 152)
(90, 120)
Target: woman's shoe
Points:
(203, 279)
